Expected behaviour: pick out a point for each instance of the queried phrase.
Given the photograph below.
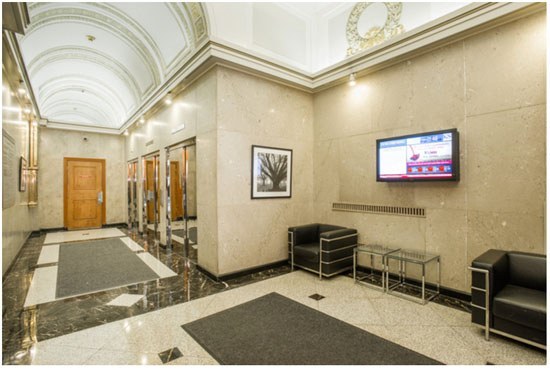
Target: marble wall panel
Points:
(378, 101)
(447, 235)
(53, 146)
(254, 111)
(505, 67)
(507, 161)
(196, 109)
(489, 86)
(18, 220)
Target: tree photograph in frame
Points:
(271, 172)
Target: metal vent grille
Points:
(387, 210)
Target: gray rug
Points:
(97, 265)
(192, 234)
(275, 330)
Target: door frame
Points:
(66, 182)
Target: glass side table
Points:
(372, 250)
(404, 256)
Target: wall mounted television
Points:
(427, 156)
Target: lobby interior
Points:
(171, 100)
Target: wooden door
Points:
(84, 193)
(150, 188)
(175, 191)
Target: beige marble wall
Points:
(491, 87)
(53, 146)
(196, 109)
(254, 111)
(18, 220)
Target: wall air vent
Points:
(386, 210)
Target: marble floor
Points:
(141, 324)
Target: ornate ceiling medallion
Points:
(375, 35)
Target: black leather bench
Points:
(513, 287)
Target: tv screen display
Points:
(428, 156)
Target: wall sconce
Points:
(352, 81)
(168, 99)
(142, 120)
(126, 133)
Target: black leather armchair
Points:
(324, 249)
(509, 295)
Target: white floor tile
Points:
(71, 236)
(126, 300)
(49, 254)
(158, 267)
(43, 285)
(135, 247)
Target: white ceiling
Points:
(137, 47)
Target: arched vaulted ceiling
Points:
(94, 64)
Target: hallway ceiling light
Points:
(168, 99)
(352, 81)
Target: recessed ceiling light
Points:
(168, 99)
(90, 38)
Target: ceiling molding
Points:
(99, 20)
(99, 118)
(15, 17)
(81, 82)
(463, 23)
(62, 125)
(88, 55)
(114, 116)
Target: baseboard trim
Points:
(449, 292)
(241, 273)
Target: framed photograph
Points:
(22, 174)
(271, 172)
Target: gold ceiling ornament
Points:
(375, 35)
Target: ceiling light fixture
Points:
(352, 81)
(168, 99)
(21, 90)
(90, 38)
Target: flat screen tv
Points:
(427, 156)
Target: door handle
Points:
(100, 197)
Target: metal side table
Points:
(372, 250)
(404, 256)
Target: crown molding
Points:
(79, 127)
(460, 24)
(463, 23)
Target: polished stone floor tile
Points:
(87, 330)
(170, 355)
(135, 247)
(126, 300)
(49, 254)
(71, 236)
(316, 297)
(43, 285)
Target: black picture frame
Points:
(22, 174)
(271, 173)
